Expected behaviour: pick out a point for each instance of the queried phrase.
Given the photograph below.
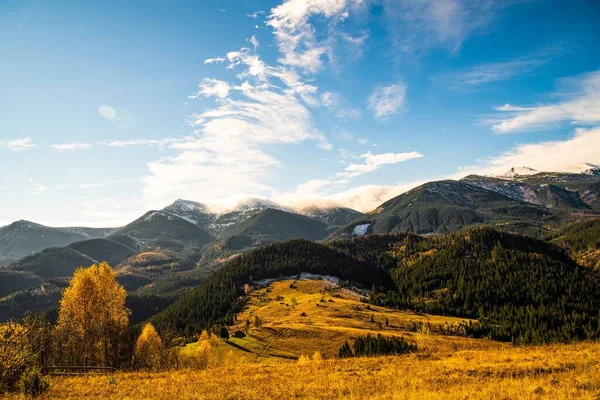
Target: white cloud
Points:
(268, 106)
(72, 146)
(212, 88)
(169, 141)
(387, 100)
(556, 155)
(362, 198)
(580, 105)
(226, 156)
(295, 36)
(373, 162)
(107, 112)
(17, 144)
(216, 60)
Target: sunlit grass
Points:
(554, 372)
(263, 364)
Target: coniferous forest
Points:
(518, 288)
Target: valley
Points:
(167, 252)
(301, 317)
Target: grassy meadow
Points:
(552, 372)
(318, 316)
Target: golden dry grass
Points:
(263, 365)
(316, 315)
(550, 372)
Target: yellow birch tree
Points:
(92, 317)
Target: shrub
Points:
(33, 383)
(205, 355)
(15, 355)
(303, 360)
(148, 351)
(224, 333)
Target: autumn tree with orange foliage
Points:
(149, 349)
(92, 318)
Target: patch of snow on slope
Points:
(360, 230)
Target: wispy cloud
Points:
(227, 156)
(255, 14)
(169, 141)
(385, 101)
(419, 25)
(17, 144)
(37, 189)
(580, 104)
(555, 155)
(72, 146)
(212, 87)
(334, 103)
(499, 71)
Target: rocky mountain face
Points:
(193, 212)
(242, 212)
(574, 190)
(521, 200)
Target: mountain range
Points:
(166, 252)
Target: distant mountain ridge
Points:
(168, 251)
(23, 238)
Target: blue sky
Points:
(109, 109)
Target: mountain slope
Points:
(242, 212)
(273, 225)
(332, 216)
(103, 250)
(582, 240)
(53, 262)
(156, 225)
(556, 191)
(191, 211)
(446, 206)
(216, 299)
(23, 238)
(521, 289)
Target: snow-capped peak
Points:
(189, 205)
(257, 204)
(584, 168)
(517, 171)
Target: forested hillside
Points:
(219, 297)
(520, 289)
(582, 240)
